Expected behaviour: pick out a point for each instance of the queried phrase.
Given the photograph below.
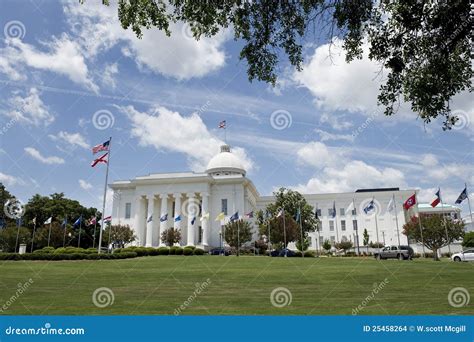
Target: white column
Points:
(139, 225)
(149, 224)
(164, 211)
(205, 221)
(177, 210)
(191, 210)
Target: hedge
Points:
(187, 251)
(66, 256)
(198, 251)
(163, 251)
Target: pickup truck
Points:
(393, 252)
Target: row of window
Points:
(343, 225)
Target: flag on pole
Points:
(462, 196)
(102, 159)
(108, 219)
(369, 207)
(234, 217)
(222, 124)
(410, 202)
(280, 212)
(93, 221)
(164, 218)
(48, 221)
(150, 219)
(437, 199)
(249, 215)
(220, 217)
(78, 221)
(333, 214)
(298, 215)
(34, 220)
(63, 225)
(204, 217)
(177, 218)
(267, 214)
(391, 205)
(316, 216)
(350, 208)
(101, 147)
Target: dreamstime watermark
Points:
(46, 330)
(190, 207)
(14, 29)
(376, 289)
(458, 297)
(14, 208)
(281, 119)
(365, 124)
(462, 120)
(103, 119)
(281, 297)
(103, 297)
(199, 288)
(21, 288)
(5, 128)
(187, 32)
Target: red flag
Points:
(92, 221)
(102, 159)
(101, 147)
(436, 201)
(222, 124)
(410, 202)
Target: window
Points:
(333, 238)
(354, 212)
(342, 211)
(173, 209)
(224, 206)
(200, 235)
(128, 210)
(318, 211)
(310, 242)
(354, 224)
(331, 226)
(321, 241)
(343, 224)
(329, 211)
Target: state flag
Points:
(410, 202)
(78, 221)
(64, 223)
(204, 217)
(150, 219)
(177, 218)
(108, 219)
(164, 218)
(333, 214)
(234, 217)
(369, 207)
(193, 220)
(391, 205)
(222, 124)
(280, 212)
(93, 221)
(48, 221)
(462, 196)
(437, 199)
(101, 147)
(102, 159)
(350, 208)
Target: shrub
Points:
(163, 251)
(173, 250)
(179, 251)
(190, 247)
(47, 250)
(187, 251)
(298, 254)
(309, 254)
(153, 251)
(198, 251)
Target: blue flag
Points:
(234, 217)
(177, 218)
(298, 215)
(193, 220)
(462, 196)
(164, 218)
(369, 207)
(150, 219)
(63, 225)
(78, 221)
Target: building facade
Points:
(191, 201)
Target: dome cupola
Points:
(225, 163)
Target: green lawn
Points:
(238, 285)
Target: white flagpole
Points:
(49, 235)
(301, 228)
(33, 238)
(376, 224)
(469, 203)
(335, 219)
(444, 221)
(105, 197)
(419, 222)
(396, 218)
(95, 226)
(284, 229)
(357, 226)
(80, 229)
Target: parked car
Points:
(393, 252)
(467, 255)
(219, 251)
(282, 252)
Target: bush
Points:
(191, 247)
(66, 256)
(198, 251)
(173, 250)
(298, 254)
(187, 251)
(179, 251)
(45, 250)
(163, 251)
(309, 254)
(153, 251)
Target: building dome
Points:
(225, 163)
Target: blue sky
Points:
(70, 77)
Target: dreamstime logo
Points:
(281, 297)
(458, 297)
(103, 297)
(370, 207)
(462, 121)
(199, 288)
(187, 32)
(375, 290)
(103, 119)
(21, 288)
(190, 207)
(14, 208)
(281, 119)
(14, 29)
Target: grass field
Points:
(162, 284)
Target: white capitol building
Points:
(191, 201)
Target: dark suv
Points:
(393, 252)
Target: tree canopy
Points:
(423, 46)
(238, 233)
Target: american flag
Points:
(222, 124)
(101, 147)
(107, 219)
(102, 159)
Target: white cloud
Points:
(316, 154)
(337, 122)
(62, 56)
(85, 185)
(70, 139)
(429, 160)
(10, 180)
(108, 77)
(325, 136)
(170, 131)
(35, 154)
(98, 29)
(30, 109)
